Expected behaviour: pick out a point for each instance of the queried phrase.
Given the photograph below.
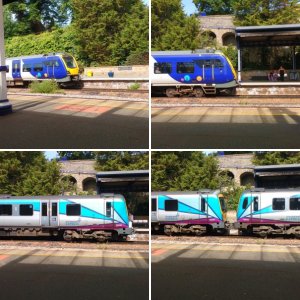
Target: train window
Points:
(153, 204)
(203, 204)
(162, 68)
(73, 209)
(26, 68)
(255, 203)
(108, 209)
(185, 67)
(38, 67)
(26, 210)
(245, 203)
(7, 69)
(70, 62)
(5, 210)
(54, 209)
(223, 204)
(51, 63)
(294, 203)
(44, 209)
(278, 204)
(171, 205)
(16, 68)
(218, 63)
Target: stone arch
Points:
(228, 173)
(89, 184)
(72, 182)
(247, 178)
(228, 39)
(210, 34)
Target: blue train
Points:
(99, 217)
(197, 73)
(60, 67)
(188, 212)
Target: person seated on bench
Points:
(272, 76)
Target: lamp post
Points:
(5, 105)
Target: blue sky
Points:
(189, 6)
(50, 154)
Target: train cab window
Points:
(162, 68)
(5, 210)
(223, 204)
(38, 67)
(278, 204)
(294, 203)
(255, 203)
(54, 209)
(185, 67)
(26, 210)
(70, 62)
(217, 63)
(26, 68)
(108, 209)
(203, 202)
(73, 209)
(171, 205)
(153, 204)
(245, 203)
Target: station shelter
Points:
(277, 176)
(285, 36)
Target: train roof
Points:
(263, 190)
(39, 55)
(198, 52)
(203, 191)
(9, 197)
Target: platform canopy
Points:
(123, 181)
(268, 36)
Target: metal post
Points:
(294, 58)
(5, 106)
(239, 65)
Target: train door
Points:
(16, 69)
(109, 211)
(255, 208)
(204, 207)
(54, 214)
(45, 220)
(154, 209)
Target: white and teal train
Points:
(100, 217)
(266, 212)
(188, 212)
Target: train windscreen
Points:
(70, 62)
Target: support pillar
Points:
(239, 65)
(5, 105)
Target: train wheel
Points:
(67, 237)
(171, 92)
(198, 92)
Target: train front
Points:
(71, 66)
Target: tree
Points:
(214, 7)
(77, 155)
(276, 157)
(110, 30)
(171, 28)
(29, 173)
(122, 160)
(266, 12)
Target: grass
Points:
(45, 87)
(134, 87)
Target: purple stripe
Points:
(265, 221)
(110, 226)
(197, 221)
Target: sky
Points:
(50, 154)
(189, 6)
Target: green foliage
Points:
(137, 59)
(134, 87)
(232, 54)
(266, 12)
(171, 28)
(276, 158)
(29, 173)
(45, 87)
(214, 7)
(109, 31)
(77, 155)
(122, 160)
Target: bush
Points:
(45, 87)
(134, 87)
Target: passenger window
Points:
(171, 205)
(153, 204)
(26, 210)
(5, 210)
(245, 203)
(185, 67)
(255, 204)
(218, 63)
(162, 68)
(203, 204)
(108, 209)
(73, 209)
(54, 209)
(26, 68)
(294, 203)
(44, 209)
(38, 67)
(278, 204)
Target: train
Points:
(192, 73)
(102, 217)
(188, 212)
(61, 67)
(267, 212)
(260, 212)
